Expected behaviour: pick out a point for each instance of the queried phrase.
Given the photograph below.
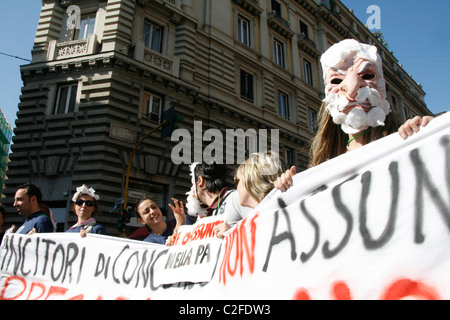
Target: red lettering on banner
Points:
(186, 238)
(7, 283)
(403, 288)
(33, 285)
(302, 294)
(238, 240)
(200, 232)
(19, 285)
(56, 291)
(407, 288)
(341, 291)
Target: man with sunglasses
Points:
(86, 206)
(27, 201)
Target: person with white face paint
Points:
(355, 110)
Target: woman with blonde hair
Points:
(255, 177)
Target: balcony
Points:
(308, 46)
(157, 60)
(251, 6)
(145, 3)
(280, 25)
(71, 49)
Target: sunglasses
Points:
(87, 202)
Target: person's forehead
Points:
(353, 61)
(147, 203)
(21, 193)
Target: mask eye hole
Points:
(336, 81)
(368, 76)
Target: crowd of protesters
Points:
(355, 112)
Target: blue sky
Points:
(416, 31)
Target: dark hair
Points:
(145, 197)
(2, 211)
(32, 190)
(214, 175)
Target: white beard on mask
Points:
(358, 119)
(193, 204)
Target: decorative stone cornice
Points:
(332, 19)
(280, 25)
(251, 6)
(308, 46)
(309, 5)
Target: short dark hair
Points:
(145, 197)
(2, 211)
(32, 190)
(214, 174)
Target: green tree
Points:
(380, 37)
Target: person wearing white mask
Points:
(355, 110)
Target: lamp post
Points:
(130, 161)
(127, 178)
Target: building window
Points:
(289, 156)
(304, 29)
(276, 7)
(87, 25)
(283, 106)
(244, 30)
(246, 86)
(152, 106)
(313, 125)
(66, 99)
(406, 113)
(278, 49)
(307, 72)
(394, 101)
(153, 36)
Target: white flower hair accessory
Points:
(84, 190)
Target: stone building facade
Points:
(5, 141)
(103, 72)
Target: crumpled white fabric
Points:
(84, 190)
(192, 202)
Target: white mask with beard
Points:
(358, 119)
(369, 108)
(193, 204)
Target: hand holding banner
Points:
(371, 224)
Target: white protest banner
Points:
(194, 254)
(371, 224)
(47, 266)
(66, 266)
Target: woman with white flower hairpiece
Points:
(86, 206)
